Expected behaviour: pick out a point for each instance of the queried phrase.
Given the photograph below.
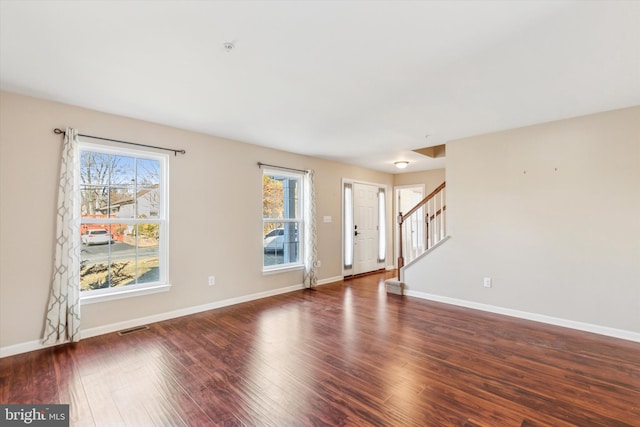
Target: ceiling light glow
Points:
(401, 164)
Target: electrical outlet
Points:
(487, 282)
(212, 280)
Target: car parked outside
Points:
(274, 240)
(98, 236)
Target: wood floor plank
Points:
(70, 388)
(344, 354)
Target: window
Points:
(282, 219)
(382, 225)
(124, 222)
(348, 226)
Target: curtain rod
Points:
(175, 152)
(260, 164)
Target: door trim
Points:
(347, 272)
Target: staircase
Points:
(420, 229)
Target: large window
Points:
(123, 203)
(282, 219)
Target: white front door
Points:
(365, 224)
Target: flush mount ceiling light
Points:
(401, 164)
(228, 46)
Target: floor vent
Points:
(133, 330)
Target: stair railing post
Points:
(426, 230)
(400, 253)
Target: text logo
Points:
(34, 415)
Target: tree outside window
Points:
(282, 220)
(122, 218)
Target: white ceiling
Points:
(360, 82)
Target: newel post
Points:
(426, 230)
(400, 255)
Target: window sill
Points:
(125, 293)
(283, 269)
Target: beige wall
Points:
(215, 208)
(431, 179)
(552, 213)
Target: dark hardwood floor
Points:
(344, 354)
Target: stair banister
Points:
(437, 216)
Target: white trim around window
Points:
(282, 221)
(127, 196)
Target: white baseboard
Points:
(106, 329)
(581, 326)
(100, 330)
(24, 347)
(329, 280)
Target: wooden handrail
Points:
(424, 201)
(401, 219)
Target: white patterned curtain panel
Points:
(63, 311)
(311, 249)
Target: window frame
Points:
(382, 224)
(161, 285)
(299, 220)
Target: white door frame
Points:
(347, 271)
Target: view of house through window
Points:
(123, 218)
(282, 219)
